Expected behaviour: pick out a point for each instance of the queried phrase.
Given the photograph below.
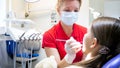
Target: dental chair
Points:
(113, 63)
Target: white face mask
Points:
(69, 18)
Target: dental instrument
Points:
(62, 40)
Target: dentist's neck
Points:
(67, 29)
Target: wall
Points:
(84, 13)
(19, 8)
(41, 13)
(2, 16)
(105, 7)
(111, 8)
(98, 6)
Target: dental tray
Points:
(15, 33)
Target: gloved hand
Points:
(71, 47)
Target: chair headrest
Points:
(113, 63)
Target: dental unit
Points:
(24, 45)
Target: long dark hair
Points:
(107, 32)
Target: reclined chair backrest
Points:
(113, 63)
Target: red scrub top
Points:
(56, 32)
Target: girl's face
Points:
(69, 6)
(88, 41)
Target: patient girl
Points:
(100, 43)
